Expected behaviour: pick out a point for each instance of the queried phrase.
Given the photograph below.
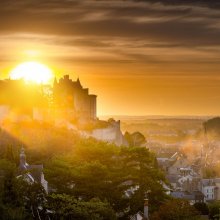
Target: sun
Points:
(33, 72)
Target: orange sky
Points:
(140, 58)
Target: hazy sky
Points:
(140, 57)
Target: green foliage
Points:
(31, 195)
(81, 169)
(214, 209)
(7, 177)
(64, 206)
(176, 209)
(11, 205)
(135, 139)
(13, 213)
(93, 170)
(140, 167)
(96, 169)
(202, 208)
(18, 198)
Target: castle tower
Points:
(78, 83)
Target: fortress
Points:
(65, 104)
(67, 99)
(70, 95)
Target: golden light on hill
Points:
(34, 72)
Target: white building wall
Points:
(111, 134)
(107, 134)
(209, 192)
(217, 190)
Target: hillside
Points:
(84, 169)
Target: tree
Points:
(141, 168)
(8, 170)
(176, 209)
(97, 169)
(214, 209)
(11, 204)
(135, 139)
(85, 169)
(30, 195)
(94, 170)
(212, 125)
(63, 206)
(202, 208)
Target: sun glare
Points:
(32, 72)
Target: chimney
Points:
(22, 158)
(146, 217)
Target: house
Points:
(217, 183)
(180, 174)
(193, 197)
(31, 173)
(189, 179)
(180, 162)
(173, 180)
(173, 165)
(168, 163)
(164, 163)
(211, 189)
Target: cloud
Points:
(134, 31)
(201, 3)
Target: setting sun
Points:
(32, 72)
